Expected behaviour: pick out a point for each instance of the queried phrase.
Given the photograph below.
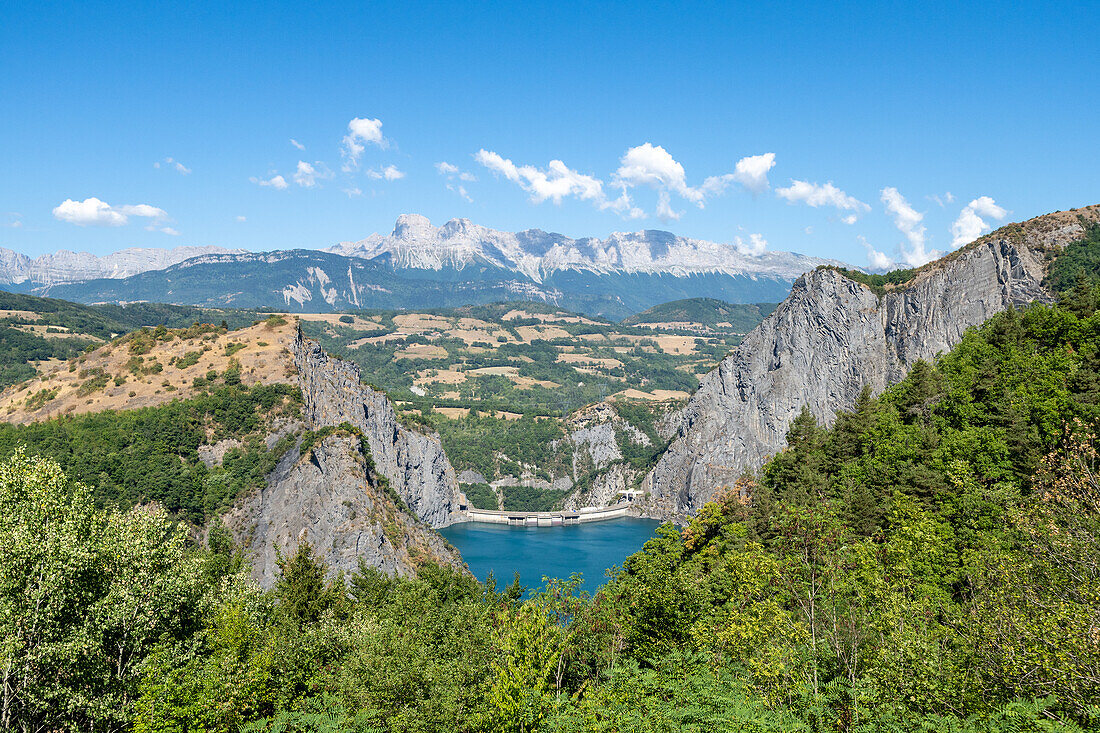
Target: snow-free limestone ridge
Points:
(535, 254)
(833, 336)
(460, 263)
(64, 266)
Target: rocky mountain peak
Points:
(413, 227)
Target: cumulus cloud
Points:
(362, 131)
(817, 195)
(754, 247)
(876, 260)
(297, 144)
(277, 182)
(652, 165)
(646, 165)
(389, 173)
(752, 171)
(95, 212)
(175, 165)
(910, 223)
(353, 192)
(15, 220)
(970, 225)
(943, 200)
(555, 183)
(306, 175)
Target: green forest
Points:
(150, 454)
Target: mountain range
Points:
(419, 265)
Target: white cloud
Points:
(162, 229)
(362, 131)
(652, 165)
(94, 212)
(306, 175)
(353, 192)
(175, 165)
(297, 144)
(555, 183)
(816, 195)
(389, 173)
(970, 225)
(752, 171)
(876, 260)
(451, 171)
(665, 212)
(909, 222)
(460, 190)
(498, 164)
(646, 165)
(754, 247)
(943, 200)
(242, 217)
(277, 182)
(15, 220)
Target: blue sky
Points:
(921, 116)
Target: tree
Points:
(300, 587)
(85, 596)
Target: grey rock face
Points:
(64, 266)
(416, 244)
(326, 498)
(415, 464)
(829, 339)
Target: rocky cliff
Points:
(414, 464)
(331, 499)
(598, 435)
(831, 337)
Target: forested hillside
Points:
(929, 562)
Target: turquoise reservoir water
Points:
(555, 552)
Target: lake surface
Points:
(555, 552)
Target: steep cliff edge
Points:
(414, 464)
(831, 337)
(330, 497)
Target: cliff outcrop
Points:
(330, 498)
(414, 463)
(833, 336)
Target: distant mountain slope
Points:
(422, 266)
(416, 244)
(832, 337)
(64, 266)
(313, 281)
(707, 312)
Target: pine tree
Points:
(300, 587)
